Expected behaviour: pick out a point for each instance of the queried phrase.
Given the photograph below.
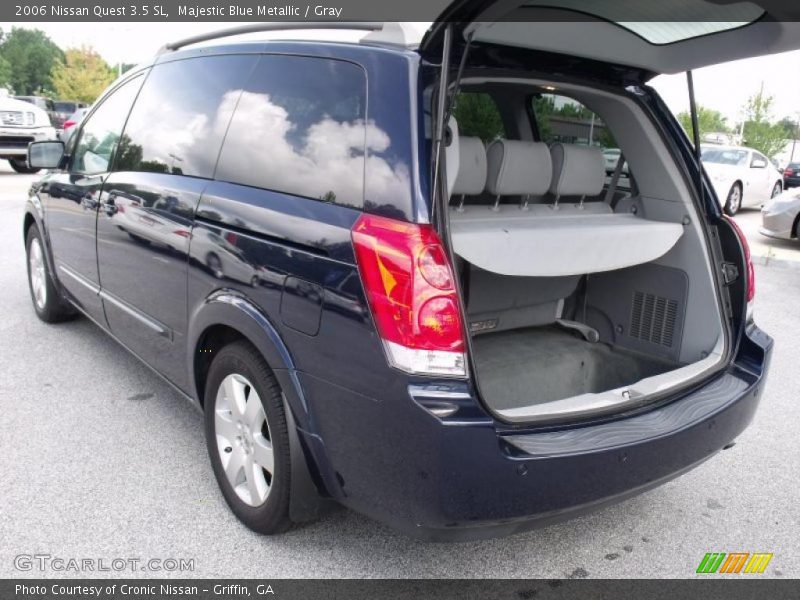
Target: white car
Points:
(20, 124)
(611, 158)
(741, 176)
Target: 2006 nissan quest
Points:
(418, 295)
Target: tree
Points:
(5, 73)
(708, 121)
(82, 76)
(759, 133)
(477, 115)
(31, 55)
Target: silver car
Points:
(780, 216)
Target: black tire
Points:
(20, 165)
(732, 205)
(242, 359)
(54, 308)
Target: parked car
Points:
(68, 127)
(611, 158)
(743, 177)
(780, 216)
(46, 104)
(20, 124)
(513, 339)
(791, 175)
(63, 110)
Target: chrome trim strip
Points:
(79, 278)
(138, 315)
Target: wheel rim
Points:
(736, 198)
(37, 274)
(243, 440)
(777, 190)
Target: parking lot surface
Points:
(102, 460)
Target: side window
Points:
(477, 115)
(300, 128)
(562, 119)
(565, 120)
(181, 115)
(759, 161)
(100, 134)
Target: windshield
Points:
(724, 156)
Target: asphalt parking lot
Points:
(102, 460)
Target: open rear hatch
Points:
(669, 36)
(582, 301)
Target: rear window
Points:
(300, 128)
(67, 107)
(477, 115)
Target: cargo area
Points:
(586, 282)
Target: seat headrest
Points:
(577, 170)
(471, 176)
(518, 168)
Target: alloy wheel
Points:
(37, 273)
(243, 439)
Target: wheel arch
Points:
(226, 316)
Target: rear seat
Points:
(517, 168)
(578, 172)
(497, 302)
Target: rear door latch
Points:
(730, 272)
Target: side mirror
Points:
(758, 163)
(45, 155)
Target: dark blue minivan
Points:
(403, 277)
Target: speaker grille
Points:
(653, 319)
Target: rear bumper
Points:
(778, 223)
(451, 479)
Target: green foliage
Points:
(759, 133)
(477, 115)
(790, 127)
(708, 121)
(31, 56)
(83, 76)
(5, 73)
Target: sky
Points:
(723, 87)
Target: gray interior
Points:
(523, 367)
(541, 344)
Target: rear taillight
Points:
(67, 125)
(409, 285)
(751, 274)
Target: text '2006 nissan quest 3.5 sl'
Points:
(455, 323)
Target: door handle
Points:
(109, 207)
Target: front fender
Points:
(34, 215)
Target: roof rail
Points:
(257, 27)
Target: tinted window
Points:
(477, 115)
(181, 115)
(300, 128)
(563, 119)
(100, 134)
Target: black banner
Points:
(206, 589)
(371, 10)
